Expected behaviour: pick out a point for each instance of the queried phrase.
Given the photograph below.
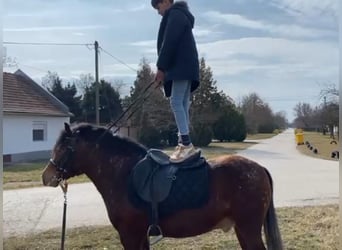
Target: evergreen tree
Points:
(206, 107)
(66, 94)
(153, 114)
(230, 126)
(109, 102)
(205, 97)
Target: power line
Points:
(32, 67)
(117, 59)
(72, 44)
(54, 44)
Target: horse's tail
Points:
(271, 229)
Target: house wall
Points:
(18, 144)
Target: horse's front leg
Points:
(134, 241)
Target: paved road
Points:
(298, 180)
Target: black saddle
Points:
(167, 186)
(153, 175)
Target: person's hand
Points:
(159, 78)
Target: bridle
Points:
(62, 165)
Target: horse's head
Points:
(61, 166)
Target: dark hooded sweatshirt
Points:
(177, 52)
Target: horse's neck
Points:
(110, 175)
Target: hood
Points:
(183, 6)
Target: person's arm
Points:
(176, 24)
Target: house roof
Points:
(21, 95)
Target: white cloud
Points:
(234, 19)
(309, 7)
(140, 7)
(209, 32)
(270, 60)
(147, 43)
(55, 28)
(78, 34)
(40, 62)
(286, 30)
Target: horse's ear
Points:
(67, 128)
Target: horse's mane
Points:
(104, 139)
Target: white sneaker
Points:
(182, 152)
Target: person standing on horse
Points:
(178, 67)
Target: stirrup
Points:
(153, 239)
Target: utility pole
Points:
(97, 96)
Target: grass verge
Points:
(301, 228)
(24, 175)
(323, 143)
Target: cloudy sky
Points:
(284, 50)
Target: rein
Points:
(134, 106)
(141, 98)
(64, 186)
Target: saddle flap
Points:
(151, 181)
(159, 156)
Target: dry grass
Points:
(24, 175)
(302, 228)
(323, 144)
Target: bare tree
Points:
(280, 119)
(50, 79)
(304, 114)
(330, 107)
(330, 93)
(256, 112)
(84, 82)
(8, 61)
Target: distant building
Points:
(32, 118)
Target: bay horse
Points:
(240, 190)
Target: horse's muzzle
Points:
(49, 176)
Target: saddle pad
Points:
(189, 190)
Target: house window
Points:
(39, 131)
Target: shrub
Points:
(266, 128)
(150, 137)
(169, 136)
(201, 135)
(239, 133)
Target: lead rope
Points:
(64, 186)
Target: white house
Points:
(32, 118)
